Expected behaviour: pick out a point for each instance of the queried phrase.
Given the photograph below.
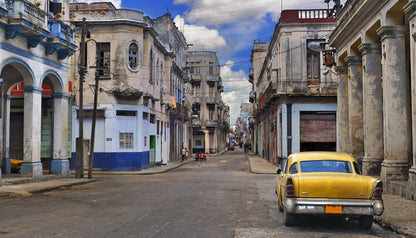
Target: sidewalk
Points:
(16, 185)
(399, 214)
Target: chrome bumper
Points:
(349, 206)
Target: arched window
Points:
(133, 55)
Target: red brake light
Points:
(378, 191)
(290, 188)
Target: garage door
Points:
(317, 127)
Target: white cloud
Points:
(236, 90)
(221, 12)
(116, 3)
(201, 37)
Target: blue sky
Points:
(228, 27)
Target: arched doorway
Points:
(13, 72)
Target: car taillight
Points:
(290, 188)
(378, 191)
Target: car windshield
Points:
(336, 166)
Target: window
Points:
(103, 52)
(198, 142)
(126, 113)
(211, 115)
(197, 90)
(313, 58)
(211, 68)
(145, 116)
(145, 141)
(293, 169)
(151, 67)
(335, 166)
(133, 55)
(126, 140)
(152, 118)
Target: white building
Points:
(35, 42)
(134, 103)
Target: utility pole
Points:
(79, 160)
(94, 114)
(94, 119)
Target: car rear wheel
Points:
(366, 222)
(289, 219)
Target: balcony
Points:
(196, 123)
(311, 87)
(252, 96)
(211, 123)
(211, 100)
(251, 75)
(60, 40)
(212, 78)
(25, 18)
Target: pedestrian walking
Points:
(183, 154)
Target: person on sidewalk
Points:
(183, 154)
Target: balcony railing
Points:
(211, 100)
(310, 87)
(61, 39)
(212, 78)
(26, 18)
(211, 123)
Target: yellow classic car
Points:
(327, 183)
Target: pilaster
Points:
(355, 104)
(396, 106)
(342, 110)
(372, 109)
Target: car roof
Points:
(321, 155)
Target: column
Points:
(342, 110)
(410, 10)
(32, 165)
(6, 167)
(60, 163)
(396, 108)
(207, 144)
(355, 106)
(372, 109)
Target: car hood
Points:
(334, 185)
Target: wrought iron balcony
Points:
(61, 39)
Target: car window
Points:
(293, 169)
(357, 168)
(335, 166)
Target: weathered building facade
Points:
(293, 93)
(375, 56)
(209, 113)
(135, 59)
(35, 43)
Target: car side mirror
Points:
(279, 171)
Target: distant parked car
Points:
(327, 183)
